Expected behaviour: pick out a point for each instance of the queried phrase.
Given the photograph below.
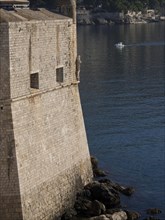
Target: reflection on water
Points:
(145, 44)
(122, 95)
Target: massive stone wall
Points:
(10, 205)
(52, 154)
(41, 47)
(4, 62)
(10, 200)
(45, 158)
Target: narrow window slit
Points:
(34, 80)
(60, 75)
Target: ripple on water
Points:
(122, 95)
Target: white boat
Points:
(120, 45)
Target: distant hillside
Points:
(125, 5)
(109, 5)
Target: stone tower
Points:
(44, 157)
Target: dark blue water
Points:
(122, 93)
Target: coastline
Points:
(103, 21)
(87, 17)
(101, 200)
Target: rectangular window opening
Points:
(34, 80)
(60, 75)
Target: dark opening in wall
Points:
(60, 75)
(34, 80)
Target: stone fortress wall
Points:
(44, 156)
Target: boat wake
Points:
(120, 45)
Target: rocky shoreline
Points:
(101, 200)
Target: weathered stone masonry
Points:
(44, 157)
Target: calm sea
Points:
(122, 93)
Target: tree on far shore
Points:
(109, 5)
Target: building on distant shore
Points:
(8, 4)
